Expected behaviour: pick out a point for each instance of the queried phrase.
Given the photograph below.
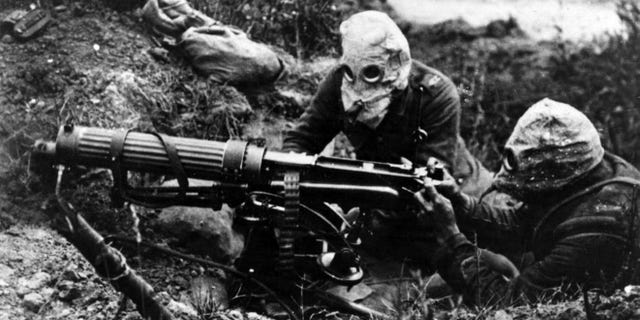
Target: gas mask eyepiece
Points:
(372, 74)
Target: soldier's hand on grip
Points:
(437, 209)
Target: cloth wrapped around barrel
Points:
(223, 53)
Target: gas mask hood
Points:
(552, 145)
(375, 62)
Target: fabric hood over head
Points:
(376, 62)
(552, 145)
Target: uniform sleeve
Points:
(440, 118)
(320, 122)
(586, 248)
(482, 215)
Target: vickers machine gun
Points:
(279, 197)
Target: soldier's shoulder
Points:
(624, 181)
(613, 198)
(621, 167)
(333, 74)
(430, 79)
(331, 81)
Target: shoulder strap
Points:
(418, 133)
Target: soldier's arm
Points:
(440, 118)
(472, 212)
(494, 212)
(588, 246)
(320, 122)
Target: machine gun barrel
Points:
(141, 151)
(379, 184)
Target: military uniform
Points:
(585, 234)
(430, 102)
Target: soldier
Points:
(578, 217)
(391, 108)
(388, 105)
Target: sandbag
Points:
(226, 55)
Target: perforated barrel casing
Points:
(144, 152)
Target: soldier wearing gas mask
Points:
(389, 106)
(579, 217)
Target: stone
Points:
(163, 296)
(70, 294)
(7, 38)
(33, 301)
(65, 285)
(632, 291)
(181, 310)
(160, 54)
(37, 281)
(202, 230)
(181, 282)
(47, 292)
(501, 315)
(5, 272)
(72, 275)
(64, 313)
(22, 291)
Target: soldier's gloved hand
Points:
(448, 186)
(437, 209)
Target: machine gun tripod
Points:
(271, 190)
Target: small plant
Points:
(204, 300)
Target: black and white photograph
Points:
(319, 159)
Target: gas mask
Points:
(375, 64)
(552, 146)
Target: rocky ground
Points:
(41, 275)
(99, 67)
